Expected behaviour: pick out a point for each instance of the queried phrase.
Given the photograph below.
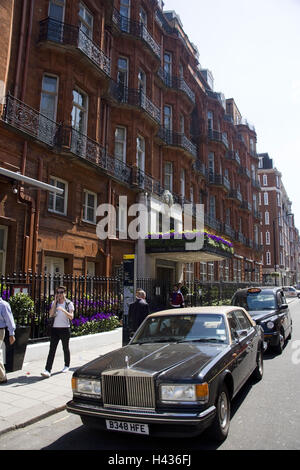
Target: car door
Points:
(243, 333)
(284, 315)
(249, 341)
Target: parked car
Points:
(268, 308)
(290, 291)
(176, 377)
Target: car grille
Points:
(128, 391)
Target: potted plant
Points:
(22, 307)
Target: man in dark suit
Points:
(138, 311)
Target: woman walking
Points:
(62, 311)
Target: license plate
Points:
(124, 426)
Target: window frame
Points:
(86, 193)
(54, 180)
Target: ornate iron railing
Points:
(62, 33)
(136, 29)
(26, 119)
(218, 136)
(176, 82)
(177, 140)
(134, 97)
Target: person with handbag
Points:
(62, 310)
(6, 321)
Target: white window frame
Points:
(83, 109)
(182, 183)
(268, 258)
(86, 194)
(122, 143)
(265, 180)
(83, 21)
(54, 180)
(267, 218)
(168, 176)
(49, 93)
(266, 199)
(3, 250)
(140, 152)
(268, 238)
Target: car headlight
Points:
(184, 393)
(270, 325)
(86, 387)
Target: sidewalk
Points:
(28, 397)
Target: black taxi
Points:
(268, 307)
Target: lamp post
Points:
(275, 244)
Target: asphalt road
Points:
(265, 416)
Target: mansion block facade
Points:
(102, 99)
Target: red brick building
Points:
(280, 237)
(105, 99)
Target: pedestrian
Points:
(138, 311)
(61, 310)
(176, 297)
(6, 321)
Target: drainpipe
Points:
(21, 44)
(107, 241)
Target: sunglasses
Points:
(60, 291)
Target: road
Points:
(265, 416)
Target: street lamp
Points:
(275, 245)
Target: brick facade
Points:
(175, 115)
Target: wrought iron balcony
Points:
(255, 183)
(219, 180)
(229, 231)
(240, 238)
(177, 140)
(29, 121)
(233, 156)
(244, 172)
(62, 33)
(200, 168)
(246, 206)
(218, 137)
(137, 30)
(177, 83)
(235, 194)
(136, 98)
(212, 222)
(79, 144)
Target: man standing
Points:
(6, 320)
(138, 311)
(176, 298)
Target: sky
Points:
(252, 48)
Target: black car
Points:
(176, 377)
(268, 307)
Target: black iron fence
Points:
(195, 293)
(91, 295)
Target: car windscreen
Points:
(254, 301)
(182, 328)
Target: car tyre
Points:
(259, 370)
(281, 341)
(220, 426)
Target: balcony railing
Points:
(200, 168)
(244, 171)
(136, 29)
(81, 145)
(245, 205)
(212, 222)
(233, 156)
(177, 83)
(229, 231)
(26, 119)
(133, 97)
(235, 194)
(219, 180)
(218, 136)
(177, 140)
(62, 33)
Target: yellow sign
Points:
(128, 256)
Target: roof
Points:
(210, 310)
(194, 310)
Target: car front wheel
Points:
(220, 426)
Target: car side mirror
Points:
(283, 307)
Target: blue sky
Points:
(252, 48)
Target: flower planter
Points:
(15, 353)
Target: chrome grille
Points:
(128, 391)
